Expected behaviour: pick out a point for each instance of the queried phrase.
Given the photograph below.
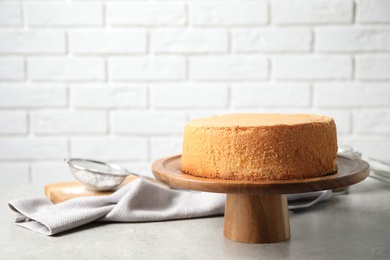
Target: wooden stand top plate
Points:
(350, 171)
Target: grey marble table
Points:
(352, 226)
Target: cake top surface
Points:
(252, 120)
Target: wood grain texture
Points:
(350, 171)
(62, 191)
(256, 218)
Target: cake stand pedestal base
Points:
(256, 218)
(256, 211)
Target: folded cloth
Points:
(138, 201)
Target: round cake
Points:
(260, 147)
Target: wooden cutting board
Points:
(62, 191)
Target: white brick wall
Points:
(312, 12)
(32, 148)
(117, 80)
(228, 13)
(147, 68)
(189, 41)
(270, 95)
(374, 67)
(323, 67)
(10, 14)
(373, 11)
(103, 96)
(146, 13)
(103, 42)
(371, 94)
(64, 68)
(347, 39)
(272, 40)
(145, 122)
(12, 68)
(13, 122)
(18, 41)
(64, 14)
(112, 149)
(179, 95)
(64, 122)
(42, 95)
(245, 67)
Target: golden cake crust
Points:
(260, 147)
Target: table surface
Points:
(351, 226)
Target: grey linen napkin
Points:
(138, 201)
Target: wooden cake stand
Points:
(257, 211)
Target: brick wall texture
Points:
(117, 80)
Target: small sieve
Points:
(96, 175)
